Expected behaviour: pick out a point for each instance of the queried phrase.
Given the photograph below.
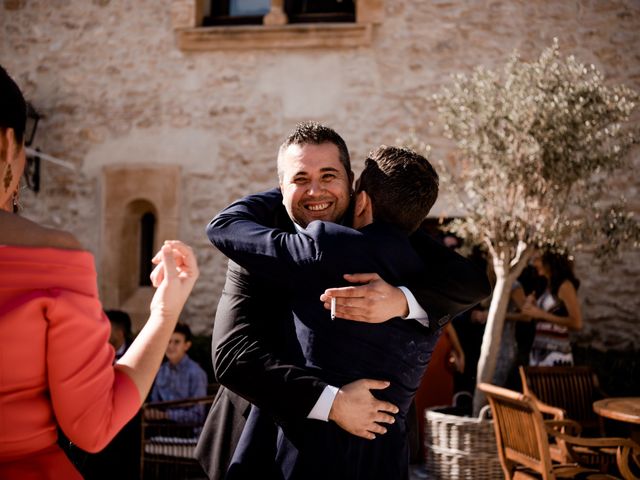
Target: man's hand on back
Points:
(375, 302)
(360, 413)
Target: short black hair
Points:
(314, 133)
(121, 319)
(13, 108)
(402, 185)
(184, 329)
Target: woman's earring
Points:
(15, 201)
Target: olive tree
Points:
(536, 144)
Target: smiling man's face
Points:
(314, 183)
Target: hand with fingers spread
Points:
(374, 302)
(358, 412)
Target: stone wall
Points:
(115, 90)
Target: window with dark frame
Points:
(147, 229)
(315, 11)
(251, 12)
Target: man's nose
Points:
(315, 187)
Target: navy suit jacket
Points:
(303, 265)
(255, 360)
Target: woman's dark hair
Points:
(532, 282)
(13, 108)
(560, 269)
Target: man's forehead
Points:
(308, 158)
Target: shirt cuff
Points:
(416, 312)
(321, 409)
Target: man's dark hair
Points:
(316, 134)
(184, 329)
(13, 108)
(402, 185)
(122, 320)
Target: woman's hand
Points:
(530, 309)
(174, 276)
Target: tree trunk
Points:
(492, 336)
(506, 274)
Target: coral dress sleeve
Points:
(91, 399)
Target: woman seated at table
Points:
(557, 311)
(56, 367)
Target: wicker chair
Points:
(523, 445)
(168, 446)
(573, 389)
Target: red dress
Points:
(55, 363)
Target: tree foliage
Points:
(537, 142)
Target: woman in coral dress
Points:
(55, 361)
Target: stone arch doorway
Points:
(140, 211)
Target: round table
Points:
(623, 409)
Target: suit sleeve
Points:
(450, 284)
(253, 338)
(249, 354)
(242, 233)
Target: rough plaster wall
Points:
(114, 88)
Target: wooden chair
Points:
(573, 389)
(168, 446)
(522, 438)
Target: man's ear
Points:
(362, 212)
(187, 345)
(361, 201)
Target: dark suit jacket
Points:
(253, 351)
(317, 259)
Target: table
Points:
(622, 409)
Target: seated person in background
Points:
(179, 378)
(121, 335)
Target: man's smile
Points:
(317, 207)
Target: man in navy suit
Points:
(254, 348)
(394, 194)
